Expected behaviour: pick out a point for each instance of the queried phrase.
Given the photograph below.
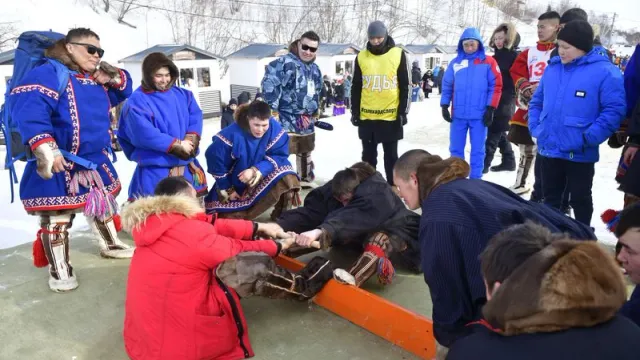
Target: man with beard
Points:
(381, 97)
(291, 86)
(160, 129)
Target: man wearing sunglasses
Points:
(291, 86)
(380, 97)
(68, 133)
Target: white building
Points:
(202, 72)
(247, 66)
(336, 60)
(429, 56)
(6, 71)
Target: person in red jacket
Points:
(526, 73)
(176, 307)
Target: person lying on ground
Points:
(459, 216)
(357, 208)
(551, 298)
(178, 304)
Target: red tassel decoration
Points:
(39, 256)
(386, 272)
(117, 222)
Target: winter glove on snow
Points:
(488, 116)
(45, 154)
(355, 120)
(403, 119)
(445, 114)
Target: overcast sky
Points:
(628, 10)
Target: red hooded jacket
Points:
(175, 306)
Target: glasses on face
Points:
(91, 49)
(306, 47)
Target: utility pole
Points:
(613, 22)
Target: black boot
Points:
(503, 167)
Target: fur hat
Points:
(154, 62)
(510, 32)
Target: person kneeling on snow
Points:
(550, 298)
(473, 84)
(358, 209)
(249, 161)
(181, 300)
(459, 216)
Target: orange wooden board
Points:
(404, 328)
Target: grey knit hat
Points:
(377, 29)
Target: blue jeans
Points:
(458, 140)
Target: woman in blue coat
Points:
(160, 129)
(579, 103)
(249, 161)
(473, 84)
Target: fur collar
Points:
(510, 31)
(136, 214)
(567, 284)
(58, 51)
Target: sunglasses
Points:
(308, 48)
(91, 49)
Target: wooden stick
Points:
(404, 328)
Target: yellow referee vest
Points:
(380, 95)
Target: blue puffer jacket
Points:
(472, 81)
(576, 107)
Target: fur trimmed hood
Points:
(58, 51)
(567, 284)
(433, 172)
(510, 31)
(136, 215)
(152, 63)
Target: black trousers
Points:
(370, 155)
(496, 141)
(347, 102)
(536, 195)
(561, 176)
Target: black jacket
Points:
(416, 74)
(379, 130)
(374, 207)
(630, 180)
(507, 106)
(615, 339)
(227, 118)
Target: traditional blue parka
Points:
(234, 150)
(152, 124)
(76, 121)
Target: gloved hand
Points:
(258, 175)
(195, 140)
(445, 114)
(112, 71)
(181, 149)
(355, 120)
(403, 119)
(488, 116)
(48, 160)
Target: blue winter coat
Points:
(284, 88)
(632, 80)
(149, 125)
(576, 107)
(234, 150)
(472, 82)
(347, 88)
(76, 120)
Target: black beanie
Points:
(233, 101)
(573, 15)
(579, 34)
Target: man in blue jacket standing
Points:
(473, 84)
(579, 103)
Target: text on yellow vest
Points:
(380, 97)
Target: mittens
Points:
(488, 116)
(45, 153)
(445, 114)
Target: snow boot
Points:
(54, 238)
(107, 237)
(527, 158)
(373, 260)
(503, 167)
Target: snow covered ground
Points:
(335, 150)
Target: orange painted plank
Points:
(406, 329)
